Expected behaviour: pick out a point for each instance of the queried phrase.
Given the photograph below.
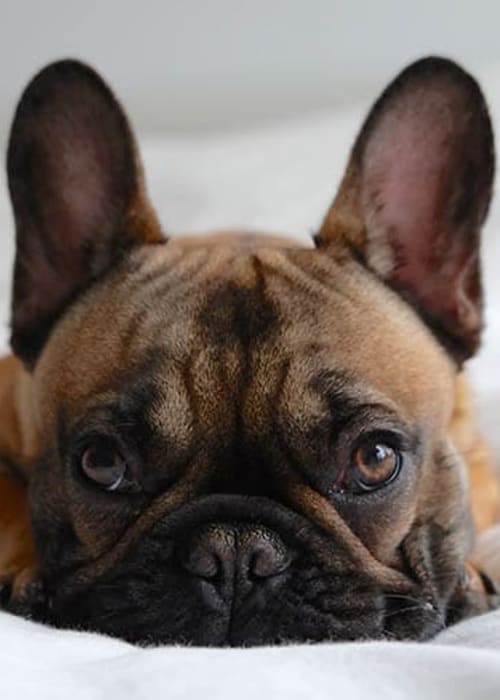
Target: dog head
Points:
(239, 440)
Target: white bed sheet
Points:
(280, 178)
(38, 663)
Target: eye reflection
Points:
(103, 464)
(374, 464)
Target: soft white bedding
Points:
(36, 663)
(279, 178)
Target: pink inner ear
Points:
(406, 182)
(84, 175)
(413, 171)
(70, 188)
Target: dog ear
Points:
(77, 192)
(415, 194)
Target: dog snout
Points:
(226, 552)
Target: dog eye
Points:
(103, 463)
(375, 464)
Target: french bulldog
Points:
(234, 439)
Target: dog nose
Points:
(229, 552)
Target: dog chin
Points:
(202, 619)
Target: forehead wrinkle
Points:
(252, 320)
(340, 387)
(377, 338)
(171, 413)
(284, 268)
(312, 386)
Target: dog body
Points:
(235, 439)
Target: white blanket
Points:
(38, 663)
(279, 178)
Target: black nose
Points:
(229, 552)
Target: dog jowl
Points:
(235, 440)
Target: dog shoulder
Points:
(484, 479)
(18, 442)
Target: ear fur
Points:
(416, 193)
(77, 193)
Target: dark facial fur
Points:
(237, 378)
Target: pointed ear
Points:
(77, 193)
(416, 193)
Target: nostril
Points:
(221, 552)
(209, 552)
(200, 562)
(265, 566)
(269, 558)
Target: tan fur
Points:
(29, 406)
(484, 482)
(17, 450)
(17, 557)
(241, 375)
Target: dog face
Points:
(242, 441)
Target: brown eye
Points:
(103, 464)
(375, 465)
